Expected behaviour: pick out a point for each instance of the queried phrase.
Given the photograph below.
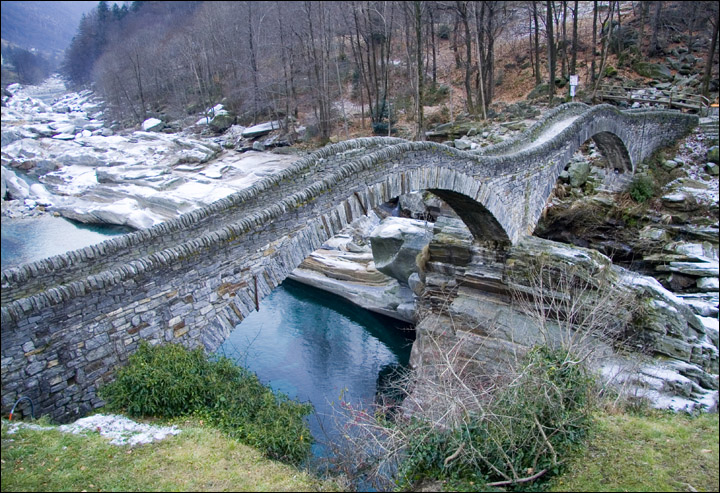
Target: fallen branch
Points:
(518, 481)
(455, 455)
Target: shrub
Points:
(642, 188)
(170, 381)
(528, 429)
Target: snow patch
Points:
(120, 430)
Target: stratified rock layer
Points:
(470, 307)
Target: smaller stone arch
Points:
(476, 202)
(480, 221)
(613, 148)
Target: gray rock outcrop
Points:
(471, 306)
(396, 245)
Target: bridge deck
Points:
(310, 171)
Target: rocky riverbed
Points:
(58, 155)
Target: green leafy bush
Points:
(170, 381)
(642, 188)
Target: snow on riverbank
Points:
(119, 429)
(91, 173)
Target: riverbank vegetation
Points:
(169, 381)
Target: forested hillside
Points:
(34, 37)
(410, 62)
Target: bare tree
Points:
(573, 61)
(537, 43)
(709, 60)
(551, 51)
(463, 16)
(654, 47)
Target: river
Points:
(312, 345)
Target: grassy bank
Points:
(655, 451)
(626, 452)
(198, 459)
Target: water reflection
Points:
(315, 346)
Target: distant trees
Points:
(30, 68)
(282, 59)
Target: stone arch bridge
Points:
(68, 321)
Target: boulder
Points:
(653, 71)
(12, 134)
(462, 144)
(539, 92)
(222, 121)
(396, 244)
(669, 164)
(708, 284)
(261, 129)
(13, 186)
(713, 154)
(578, 172)
(413, 205)
(152, 125)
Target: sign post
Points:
(573, 85)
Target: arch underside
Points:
(615, 151)
(479, 220)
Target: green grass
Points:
(198, 459)
(655, 451)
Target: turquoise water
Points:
(318, 348)
(29, 239)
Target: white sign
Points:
(573, 80)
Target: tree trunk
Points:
(594, 41)
(489, 62)
(605, 48)
(462, 11)
(420, 133)
(563, 62)
(654, 47)
(551, 51)
(644, 7)
(530, 41)
(538, 78)
(710, 59)
(573, 61)
(620, 42)
(432, 40)
(253, 62)
(458, 60)
(481, 84)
